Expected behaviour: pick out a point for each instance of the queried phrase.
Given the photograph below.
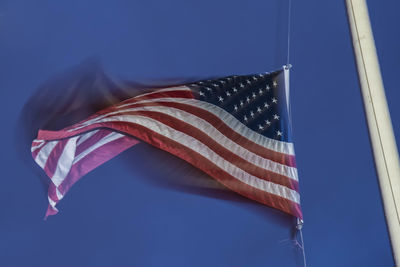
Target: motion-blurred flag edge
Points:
(236, 129)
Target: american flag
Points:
(236, 129)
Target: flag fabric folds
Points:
(236, 129)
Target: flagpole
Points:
(378, 118)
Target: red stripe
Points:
(36, 143)
(57, 135)
(173, 94)
(219, 149)
(52, 192)
(52, 158)
(91, 141)
(50, 211)
(36, 152)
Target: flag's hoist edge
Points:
(176, 120)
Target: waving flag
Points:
(236, 129)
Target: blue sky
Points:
(136, 209)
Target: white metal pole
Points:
(378, 118)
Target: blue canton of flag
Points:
(258, 101)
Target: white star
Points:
(278, 133)
(215, 85)
(222, 81)
(260, 127)
(274, 100)
(254, 95)
(248, 81)
(208, 88)
(248, 99)
(260, 75)
(266, 105)
(252, 114)
(259, 110)
(201, 82)
(267, 88)
(201, 93)
(241, 103)
(274, 83)
(234, 89)
(245, 118)
(255, 78)
(220, 99)
(235, 107)
(260, 91)
(241, 85)
(268, 122)
(276, 117)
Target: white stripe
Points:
(208, 153)
(65, 161)
(33, 148)
(85, 136)
(52, 203)
(43, 155)
(59, 195)
(230, 121)
(106, 139)
(217, 136)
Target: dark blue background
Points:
(146, 208)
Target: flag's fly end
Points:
(50, 211)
